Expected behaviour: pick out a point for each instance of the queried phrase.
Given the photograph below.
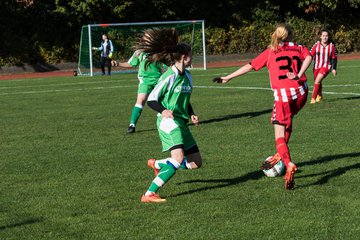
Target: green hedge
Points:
(255, 38)
(251, 38)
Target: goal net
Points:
(123, 36)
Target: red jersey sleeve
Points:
(313, 50)
(261, 60)
(304, 53)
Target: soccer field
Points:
(70, 171)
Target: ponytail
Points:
(282, 33)
(162, 45)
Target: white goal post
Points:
(123, 36)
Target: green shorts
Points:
(174, 132)
(146, 85)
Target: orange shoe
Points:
(151, 163)
(268, 164)
(289, 176)
(318, 98)
(312, 101)
(153, 198)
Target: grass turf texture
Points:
(69, 171)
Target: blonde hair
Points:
(282, 33)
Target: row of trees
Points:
(35, 31)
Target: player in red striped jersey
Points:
(324, 54)
(287, 63)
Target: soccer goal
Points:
(123, 37)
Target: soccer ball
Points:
(277, 170)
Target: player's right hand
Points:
(195, 120)
(220, 80)
(167, 114)
(217, 80)
(334, 72)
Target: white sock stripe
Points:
(163, 161)
(173, 162)
(158, 181)
(188, 165)
(156, 164)
(139, 106)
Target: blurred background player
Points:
(286, 62)
(171, 99)
(324, 55)
(106, 48)
(148, 76)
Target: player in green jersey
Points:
(171, 99)
(148, 75)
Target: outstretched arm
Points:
(241, 71)
(124, 65)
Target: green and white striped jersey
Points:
(173, 92)
(146, 70)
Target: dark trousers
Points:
(105, 61)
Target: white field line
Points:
(66, 84)
(130, 86)
(65, 90)
(212, 74)
(269, 89)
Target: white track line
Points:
(130, 86)
(66, 84)
(269, 89)
(65, 90)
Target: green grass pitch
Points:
(69, 171)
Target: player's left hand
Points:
(220, 80)
(292, 76)
(334, 72)
(167, 114)
(195, 120)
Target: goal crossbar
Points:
(123, 35)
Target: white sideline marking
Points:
(208, 87)
(64, 84)
(65, 90)
(269, 89)
(344, 85)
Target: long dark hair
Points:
(162, 45)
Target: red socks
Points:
(283, 150)
(315, 91)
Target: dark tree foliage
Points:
(49, 31)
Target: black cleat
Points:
(131, 129)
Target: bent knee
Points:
(196, 164)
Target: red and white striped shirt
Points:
(323, 55)
(288, 57)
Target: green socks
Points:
(135, 114)
(164, 175)
(159, 164)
